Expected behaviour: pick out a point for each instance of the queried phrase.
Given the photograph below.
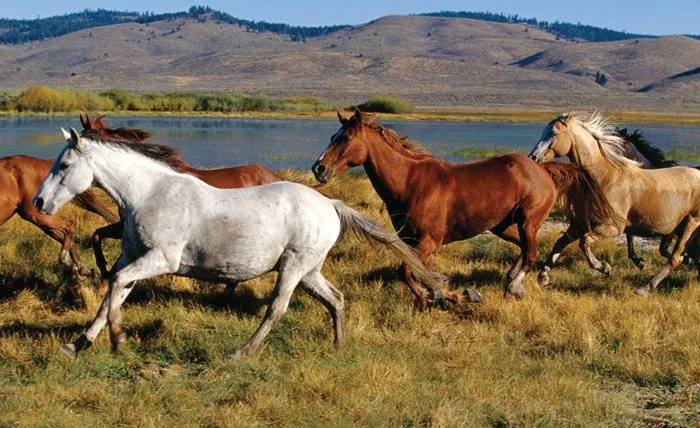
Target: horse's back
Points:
(238, 176)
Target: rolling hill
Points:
(436, 62)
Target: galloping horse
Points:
(223, 178)
(20, 177)
(664, 201)
(432, 202)
(175, 223)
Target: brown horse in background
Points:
(433, 202)
(223, 178)
(20, 178)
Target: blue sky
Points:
(640, 16)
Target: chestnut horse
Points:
(433, 202)
(223, 178)
(20, 177)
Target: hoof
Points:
(117, 341)
(640, 264)
(472, 296)
(64, 257)
(518, 294)
(643, 291)
(69, 350)
(238, 355)
(607, 269)
(543, 279)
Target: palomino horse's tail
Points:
(369, 230)
(583, 199)
(89, 202)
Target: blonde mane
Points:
(611, 145)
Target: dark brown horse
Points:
(432, 202)
(20, 178)
(223, 178)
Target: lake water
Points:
(296, 143)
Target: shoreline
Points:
(484, 115)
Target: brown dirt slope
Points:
(435, 62)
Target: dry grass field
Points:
(585, 351)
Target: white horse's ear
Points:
(66, 135)
(74, 137)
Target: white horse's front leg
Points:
(151, 264)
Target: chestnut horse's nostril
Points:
(38, 202)
(318, 169)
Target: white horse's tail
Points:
(351, 220)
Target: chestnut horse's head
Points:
(98, 125)
(347, 149)
(556, 139)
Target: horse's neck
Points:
(128, 178)
(586, 152)
(388, 169)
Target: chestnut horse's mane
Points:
(390, 136)
(135, 135)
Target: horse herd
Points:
(234, 224)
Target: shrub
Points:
(48, 100)
(387, 104)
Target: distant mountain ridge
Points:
(14, 31)
(434, 62)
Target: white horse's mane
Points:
(612, 146)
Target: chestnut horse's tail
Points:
(583, 199)
(89, 202)
(369, 230)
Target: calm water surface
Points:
(296, 143)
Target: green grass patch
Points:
(387, 104)
(482, 152)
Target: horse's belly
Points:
(226, 266)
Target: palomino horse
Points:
(223, 178)
(175, 223)
(20, 177)
(432, 202)
(664, 201)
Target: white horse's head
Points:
(69, 176)
(553, 142)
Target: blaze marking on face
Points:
(333, 138)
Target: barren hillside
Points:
(435, 62)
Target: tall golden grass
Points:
(584, 352)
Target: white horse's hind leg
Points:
(287, 281)
(318, 287)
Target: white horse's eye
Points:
(64, 165)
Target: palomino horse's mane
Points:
(653, 154)
(159, 153)
(611, 145)
(390, 136)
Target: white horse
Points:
(663, 201)
(177, 224)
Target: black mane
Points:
(164, 154)
(655, 156)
